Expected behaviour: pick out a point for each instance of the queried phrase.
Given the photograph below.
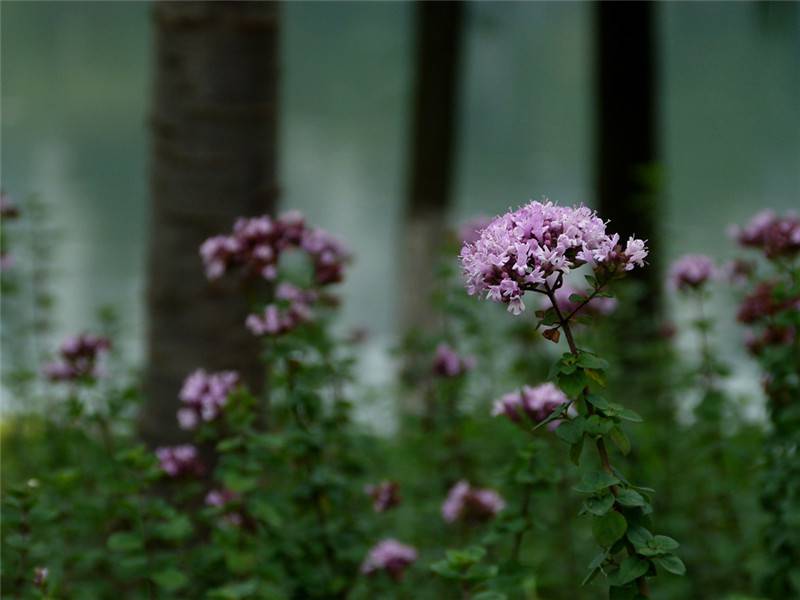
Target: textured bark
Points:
(213, 159)
(626, 141)
(432, 152)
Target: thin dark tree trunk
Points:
(213, 159)
(432, 157)
(626, 140)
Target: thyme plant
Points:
(532, 250)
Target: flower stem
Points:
(641, 582)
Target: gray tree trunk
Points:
(626, 140)
(213, 159)
(432, 153)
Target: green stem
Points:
(641, 582)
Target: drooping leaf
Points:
(620, 440)
(552, 334)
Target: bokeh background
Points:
(76, 97)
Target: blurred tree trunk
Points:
(432, 153)
(213, 159)
(626, 138)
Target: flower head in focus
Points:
(384, 495)
(447, 363)
(470, 231)
(204, 395)
(692, 272)
(467, 503)
(533, 247)
(390, 556)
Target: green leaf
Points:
(175, 529)
(230, 444)
(628, 497)
(599, 505)
(671, 563)
(170, 580)
(629, 415)
(572, 384)
(591, 361)
(639, 536)
(609, 528)
(575, 451)
(597, 401)
(631, 568)
(444, 569)
(664, 543)
(125, 542)
(597, 425)
(596, 481)
(571, 430)
(620, 440)
(556, 414)
(234, 591)
(596, 376)
(594, 567)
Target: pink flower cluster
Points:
(78, 357)
(179, 460)
(203, 395)
(447, 363)
(384, 495)
(467, 503)
(530, 248)
(774, 235)
(599, 305)
(759, 309)
(390, 556)
(220, 498)
(256, 244)
(536, 403)
(292, 308)
(692, 272)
